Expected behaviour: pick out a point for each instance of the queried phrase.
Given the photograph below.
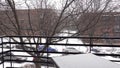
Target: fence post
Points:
(47, 41)
(2, 52)
(10, 52)
(91, 43)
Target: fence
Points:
(29, 44)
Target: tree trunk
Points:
(37, 64)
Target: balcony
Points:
(22, 51)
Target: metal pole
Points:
(47, 51)
(91, 43)
(2, 52)
(10, 52)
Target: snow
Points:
(8, 64)
(71, 41)
(61, 47)
(84, 61)
(110, 58)
(15, 64)
(67, 33)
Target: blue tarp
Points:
(49, 49)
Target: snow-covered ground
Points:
(83, 49)
(17, 64)
(70, 41)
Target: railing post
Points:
(10, 52)
(2, 52)
(47, 40)
(91, 43)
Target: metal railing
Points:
(88, 42)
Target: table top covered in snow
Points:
(84, 61)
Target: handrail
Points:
(84, 37)
(90, 44)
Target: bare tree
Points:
(41, 19)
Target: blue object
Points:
(95, 50)
(49, 49)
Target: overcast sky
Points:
(22, 5)
(55, 3)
